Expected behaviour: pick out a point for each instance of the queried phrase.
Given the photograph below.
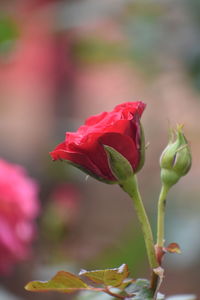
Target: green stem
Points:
(161, 216)
(155, 279)
(130, 186)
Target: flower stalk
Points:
(161, 215)
(130, 186)
(155, 279)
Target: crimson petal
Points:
(78, 158)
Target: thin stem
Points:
(130, 186)
(161, 216)
(155, 280)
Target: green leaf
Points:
(125, 283)
(108, 277)
(140, 289)
(63, 282)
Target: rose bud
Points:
(119, 129)
(176, 159)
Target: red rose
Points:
(119, 129)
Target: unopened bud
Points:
(176, 159)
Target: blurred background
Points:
(62, 61)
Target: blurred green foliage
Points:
(9, 33)
(95, 50)
(131, 251)
(142, 23)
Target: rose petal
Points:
(124, 127)
(55, 154)
(92, 145)
(95, 119)
(131, 107)
(124, 145)
(76, 157)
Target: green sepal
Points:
(119, 165)
(142, 149)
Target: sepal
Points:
(119, 165)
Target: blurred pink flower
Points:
(19, 206)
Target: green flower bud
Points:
(176, 159)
